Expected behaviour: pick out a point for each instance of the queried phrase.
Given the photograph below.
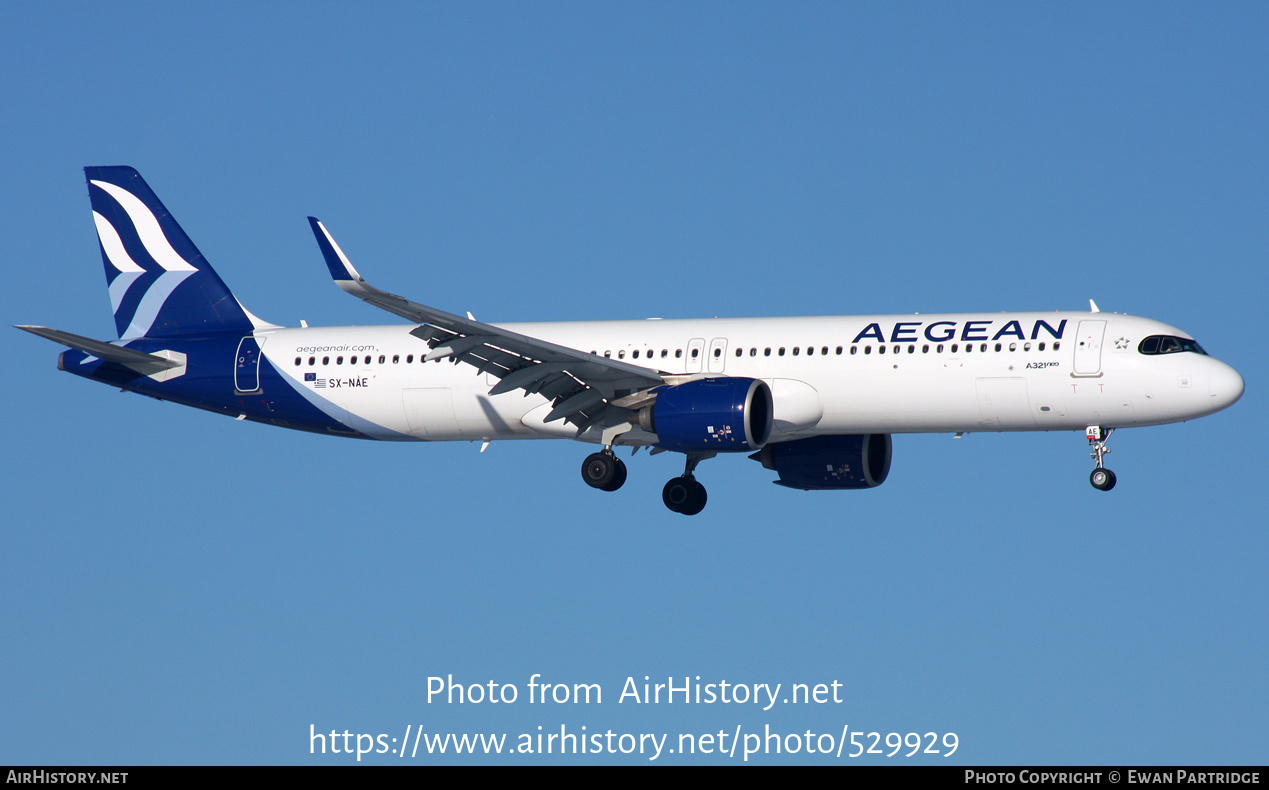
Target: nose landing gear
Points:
(1102, 478)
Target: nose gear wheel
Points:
(1102, 478)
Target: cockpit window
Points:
(1165, 344)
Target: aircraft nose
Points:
(1225, 385)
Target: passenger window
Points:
(1026, 346)
(881, 349)
(718, 352)
(621, 353)
(1041, 345)
(325, 360)
(635, 354)
(382, 359)
(796, 350)
(409, 358)
(767, 352)
(696, 352)
(983, 347)
(911, 349)
(1056, 345)
(339, 360)
(853, 349)
(925, 349)
(867, 350)
(839, 351)
(753, 352)
(678, 353)
(311, 360)
(740, 352)
(997, 346)
(781, 351)
(297, 361)
(955, 346)
(396, 358)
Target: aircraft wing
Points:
(581, 386)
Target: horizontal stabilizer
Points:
(141, 362)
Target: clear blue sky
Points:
(177, 587)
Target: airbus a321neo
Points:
(814, 399)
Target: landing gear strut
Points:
(604, 471)
(683, 494)
(1102, 478)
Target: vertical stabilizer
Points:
(160, 284)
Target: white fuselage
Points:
(828, 375)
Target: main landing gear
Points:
(1102, 478)
(604, 471)
(607, 472)
(684, 495)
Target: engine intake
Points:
(829, 462)
(722, 415)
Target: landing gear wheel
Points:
(696, 502)
(618, 478)
(676, 493)
(603, 471)
(1102, 479)
(684, 495)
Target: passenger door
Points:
(247, 366)
(1088, 348)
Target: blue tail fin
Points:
(160, 284)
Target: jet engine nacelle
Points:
(829, 462)
(721, 415)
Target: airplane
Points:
(814, 399)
